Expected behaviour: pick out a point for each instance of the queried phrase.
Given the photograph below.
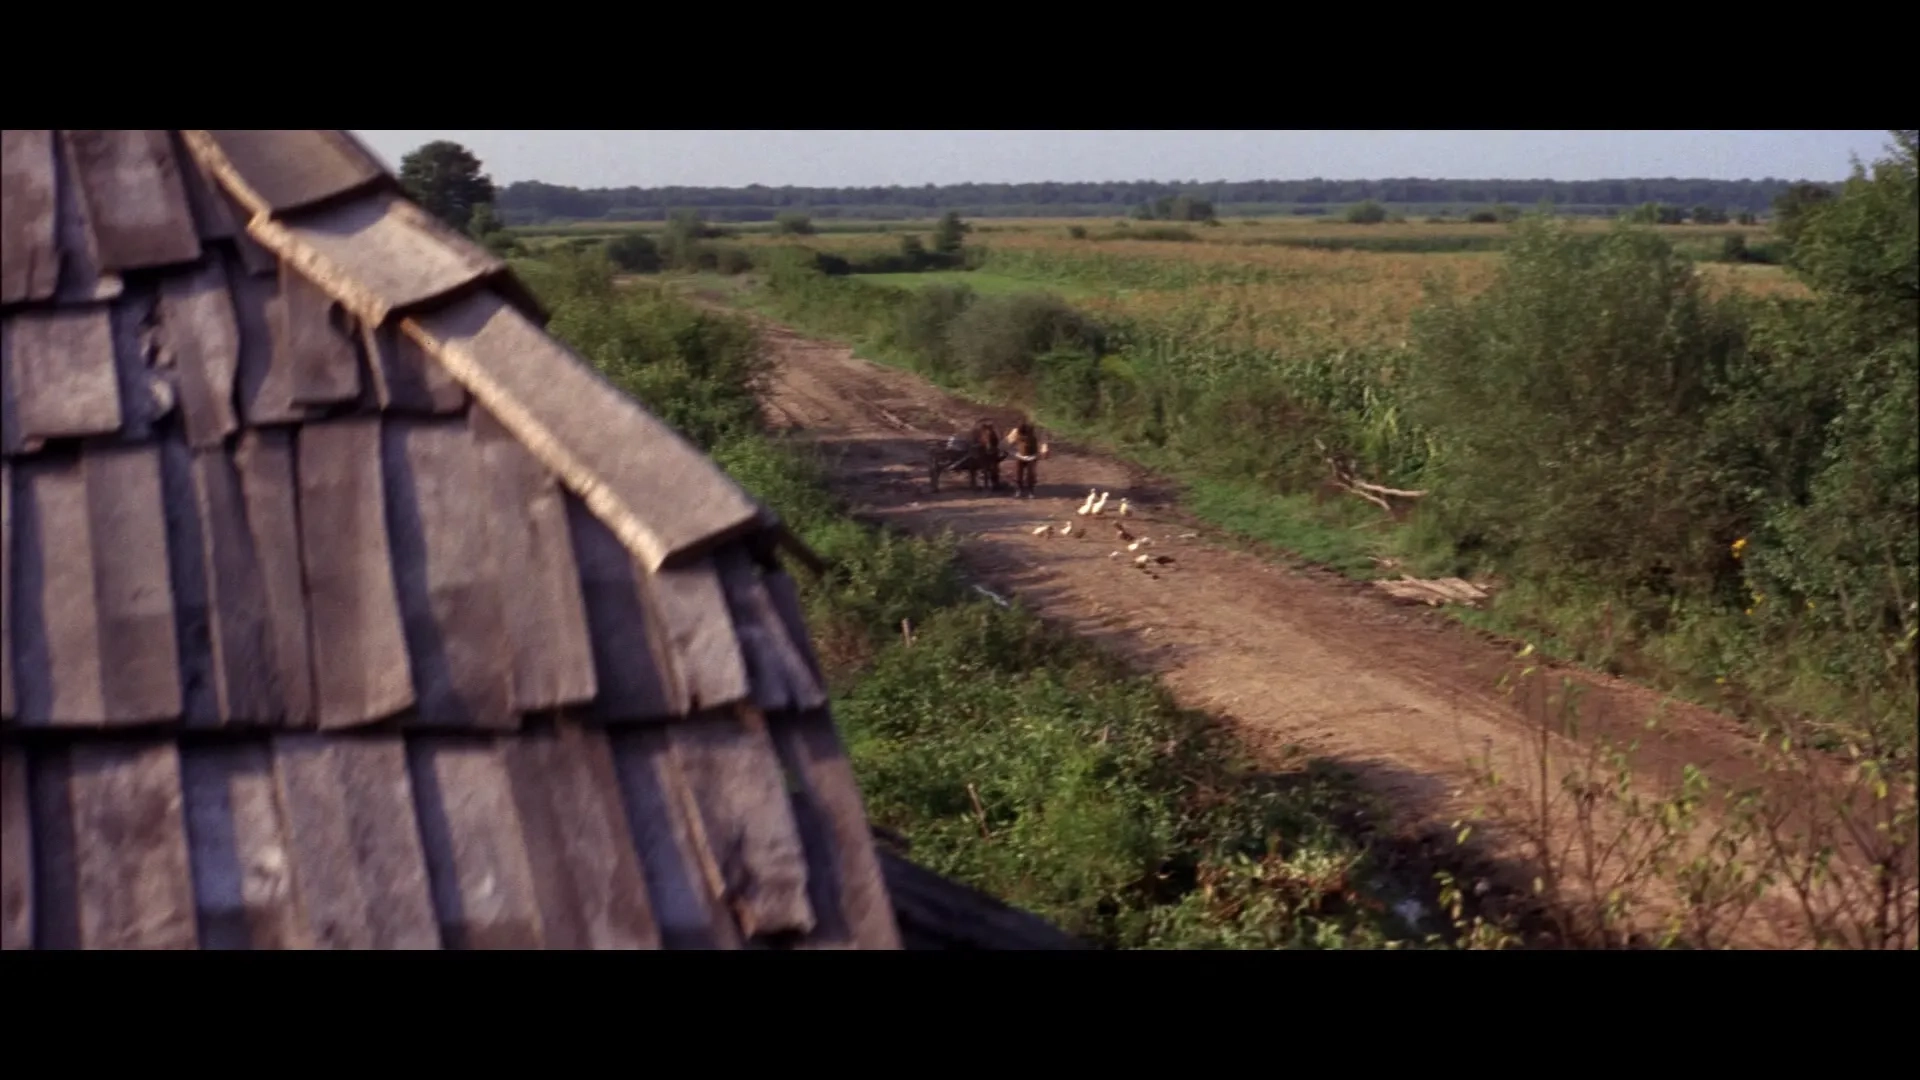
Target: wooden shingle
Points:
(61, 372)
(135, 199)
(115, 865)
(378, 255)
(245, 668)
(665, 824)
(133, 592)
(631, 668)
(547, 618)
(17, 849)
(314, 342)
(623, 461)
(405, 378)
(201, 336)
(187, 572)
(702, 649)
(749, 845)
(8, 703)
(447, 578)
(149, 383)
(843, 871)
(353, 838)
(243, 870)
(29, 243)
(587, 875)
(94, 634)
(265, 462)
(266, 373)
(484, 892)
(783, 678)
(82, 279)
(275, 172)
(359, 645)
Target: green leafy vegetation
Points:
(1014, 757)
(1710, 492)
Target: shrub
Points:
(1366, 213)
(634, 252)
(793, 223)
(1567, 401)
(1000, 336)
(924, 321)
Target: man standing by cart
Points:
(1027, 452)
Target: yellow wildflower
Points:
(1739, 546)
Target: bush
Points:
(732, 259)
(1567, 402)
(792, 223)
(635, 253)
(1068, 383)
(1077, 232)
(1366, 213)
(924, 321)
(1000, 336)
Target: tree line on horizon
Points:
(532, 202)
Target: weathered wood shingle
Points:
(29, 242)
(341, 607)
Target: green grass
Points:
(1232, 485)
(1013, 756)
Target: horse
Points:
(977, 452)
(988, 453)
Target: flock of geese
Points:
(1094, 506)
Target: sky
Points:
(885, 158)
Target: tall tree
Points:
(949, 233)
(447, 179)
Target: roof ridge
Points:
(326, 207)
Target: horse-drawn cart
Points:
(956, 454)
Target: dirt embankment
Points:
(1298, 659)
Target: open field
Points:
(1663, 457)
(984, 282)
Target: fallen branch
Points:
(980, 811)
(1346, 478)
(1374, 499)
(1396, 492)
(991, 595)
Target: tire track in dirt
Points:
(1297, 659)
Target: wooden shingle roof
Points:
(343, 607)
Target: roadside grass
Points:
(1013, 756)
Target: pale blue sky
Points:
(882, 158)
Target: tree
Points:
(680, 244)
(947, 235)
(1795, 206)
(1709, 215)
(447, 179)
(484, 222)
(1843, 545)
(1366, 213)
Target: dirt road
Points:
(1296, 658)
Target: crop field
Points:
(1665, 454)
(1262, 283)
(1239, 357)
